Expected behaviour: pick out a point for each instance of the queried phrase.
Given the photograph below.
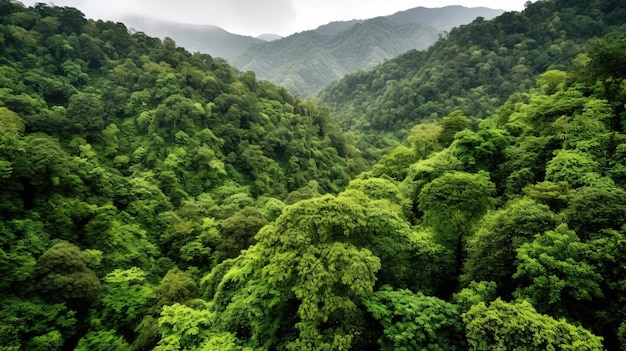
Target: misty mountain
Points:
(269, 37)
(306, 62)
(444, 18)
(333, 28)
(206, 39)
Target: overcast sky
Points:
(255, 17)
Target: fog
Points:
(255, 17)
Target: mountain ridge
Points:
(207, 39)
(443, 18)
(352, 45)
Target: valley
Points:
(466, 194)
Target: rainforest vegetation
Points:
(154, 199)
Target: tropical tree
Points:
(555, 272)
(415, 321)
(452, 204)
(517, 326)
(491, 251)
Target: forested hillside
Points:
(306, 62)
(475, 69)
(151, 199)
(129, 166)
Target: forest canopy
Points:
(154, 199)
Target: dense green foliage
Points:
(156, 200)
(306, 62)
(129, 168)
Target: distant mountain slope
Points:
(206, 39)
(474, 69)
(333, 28)
(444, 18)
(306, 62)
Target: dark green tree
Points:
(66, 276)
(451, 124)
(238, 232)
(491, 251)
(595, 208)
(86, 115)
(452, 204)
(607, 61)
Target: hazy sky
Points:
(255, 17)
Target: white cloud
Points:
(254, 17)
